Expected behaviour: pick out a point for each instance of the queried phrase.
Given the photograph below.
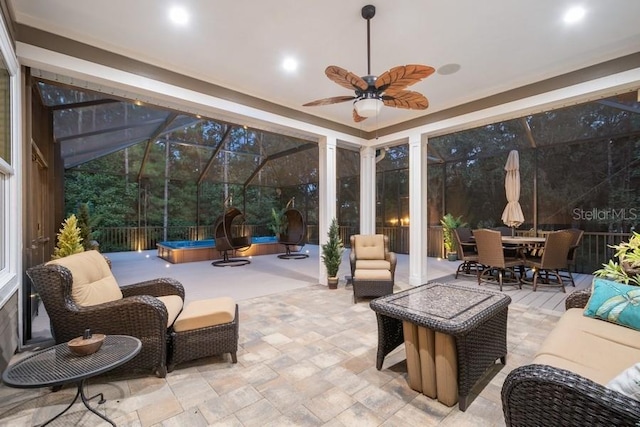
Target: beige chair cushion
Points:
(93, 282)
(173, 303)
(203, 313)
(369, 246)
(593, 348)
(372, 275)
(373, 264)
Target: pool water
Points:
(210, 243)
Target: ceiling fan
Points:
(372, 92)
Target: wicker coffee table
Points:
(56, 366)
(452, 335)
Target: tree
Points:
(84, 224)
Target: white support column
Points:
(367, 190)
(417, 210)
(327, 192)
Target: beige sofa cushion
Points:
(373, 264)
(593, 348)
(203, 313)
(93, 282)
(173, 303)
(369, 246)
(372, 275)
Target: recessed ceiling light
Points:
(178, 15)
(290, 64)
(574, 14)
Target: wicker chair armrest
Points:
(138, 316)
(577, 299)
(156, 287)
(535, 395)
(393, 260)
(352, 261)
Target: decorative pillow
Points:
(615, 302)
(627, 382)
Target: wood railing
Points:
(593, 252)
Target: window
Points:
(9, 159)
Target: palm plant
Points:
(449, 223)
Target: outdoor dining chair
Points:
(554, 258)
(573, 252)
(496, 266)
(467, 252)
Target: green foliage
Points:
(449, 223)
(69, 240)
(628, 265)
(332, 250)
(278, 224)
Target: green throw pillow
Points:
(615, 302)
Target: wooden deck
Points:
(547, 298)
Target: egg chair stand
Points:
(226, 241)
(294, 239)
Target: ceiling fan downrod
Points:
(368, 12)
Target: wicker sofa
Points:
(565, 384)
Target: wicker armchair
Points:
(373, 266)
(137, 313)
(536, 395)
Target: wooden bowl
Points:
(84, 347)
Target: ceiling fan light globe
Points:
(368, 107)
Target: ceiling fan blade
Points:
(329, 101)
(356, 117)
(345, 78)
(406, 99)
(400, 77)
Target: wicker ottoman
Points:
(371, 283)
(204, 328)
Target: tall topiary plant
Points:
(332, 253)
(68, 238)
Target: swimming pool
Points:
(179, 251)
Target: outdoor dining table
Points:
(523, 240)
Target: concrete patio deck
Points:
(306, 356)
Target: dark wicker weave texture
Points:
(541, 395)
(191, 345)
(390, 336)
(137, 314)
(371, 288)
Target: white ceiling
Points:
(240, 44)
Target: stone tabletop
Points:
(447, 308)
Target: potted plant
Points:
(449, 223)
(69, 240)
(627, 268)
(332, 254)
(278, 224)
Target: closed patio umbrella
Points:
(512, 215)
